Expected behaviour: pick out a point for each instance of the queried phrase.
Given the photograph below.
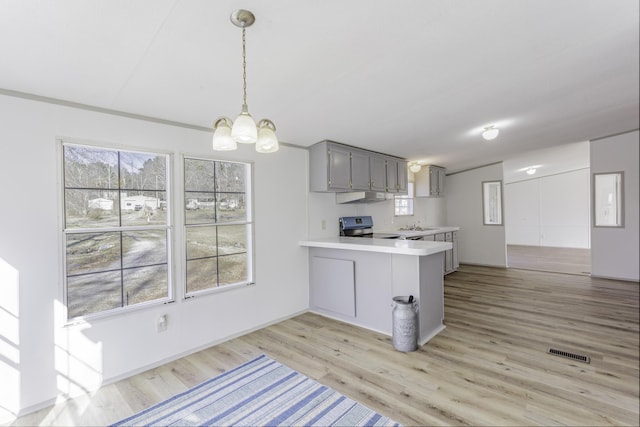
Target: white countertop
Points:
(426, 231)
(390, 246)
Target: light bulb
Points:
(267, 139)
(222, 140)
(244, 128)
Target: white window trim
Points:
(249, 195)
(62, 294)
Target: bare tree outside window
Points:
(115, 229)
(218, 225)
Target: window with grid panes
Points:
(218, 224)
(116, 229)
(403, 205)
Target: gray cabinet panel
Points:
(335, 167)
(430, 181)
(391, 166)
(339, 168)
(360, 178)
(403, 178)
(378, 172)
(333, 285)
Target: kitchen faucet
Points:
(415, 226)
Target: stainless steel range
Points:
(361, 226)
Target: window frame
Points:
(410, 201)
(596, 201)
(167, 228)
(249, 223)
(486, 206)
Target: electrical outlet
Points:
(323, 224)
(162, 323)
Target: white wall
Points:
(40, 358)
(547, 161)
(477, 243)
(549, 211)
(615, 252)
(427, 211)
(323, 207)
(323, 210)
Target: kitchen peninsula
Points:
(354, 280)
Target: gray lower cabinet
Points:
(352, 286)
(451, 263)
(454, 251)
(357, 287)
(334, 287)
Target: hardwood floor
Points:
(488, 367)
(544, 258)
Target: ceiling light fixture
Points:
(244, 130)
(531, 171)
(414, 167)
(490, 132)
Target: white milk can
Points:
(405, 323)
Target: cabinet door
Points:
(392, 175)
(430, 182)
(339, 168)
(403, 178)
(378, 170)
(333, 285)
(448, 255)
(433, 182)
(456, 263)
(360, 177)
(441, 175)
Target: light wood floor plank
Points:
(545, 258)
(488, 367)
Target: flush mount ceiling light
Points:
(414, 167)
(531, 171)
(490, 132)
(244, 130)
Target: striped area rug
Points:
(262, 392)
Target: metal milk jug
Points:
(405, 324)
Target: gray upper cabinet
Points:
(378, 172)
(338, 167)
(429, 181)
(403, 177)
(396, 176)
(333, 170)
(360, 174)
(391, 166)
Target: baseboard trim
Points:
(622, 279)
(106, 381)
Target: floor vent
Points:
(573, 356)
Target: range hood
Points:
(363, 197)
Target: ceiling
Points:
(416, 79)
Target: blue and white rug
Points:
(261, 392)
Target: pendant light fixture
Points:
(244, 130)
